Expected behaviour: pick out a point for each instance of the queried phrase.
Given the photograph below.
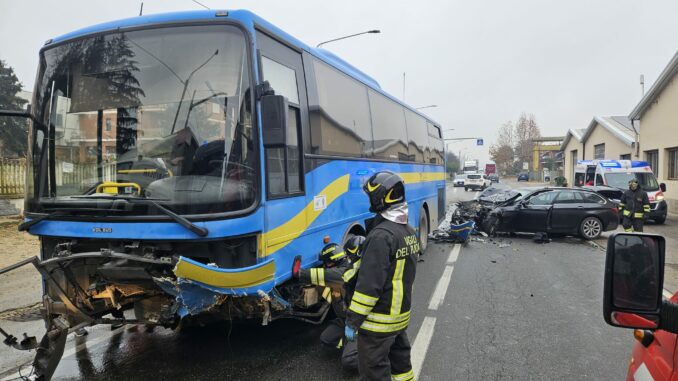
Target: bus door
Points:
(286, 199)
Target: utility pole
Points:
(403, 86)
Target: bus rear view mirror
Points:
(274, 120)
(634, 280)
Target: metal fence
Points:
(12, 178)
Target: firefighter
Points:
(335, 263)
(340, 269)
(379, 311)
(634, 205)
(333, 335)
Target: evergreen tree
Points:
(13, 131)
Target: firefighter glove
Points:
(350, 333)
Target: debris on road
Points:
(541, 238)
(455, 233)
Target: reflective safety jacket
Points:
(634, 204)
(332, 281)
(381, 302)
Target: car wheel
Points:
(423, 229)
(465, 189)
(590, 228)
(660, 220)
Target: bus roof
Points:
(247, 18)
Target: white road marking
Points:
(421, 344)
(441, 289)
(454, 253)
(667, 294)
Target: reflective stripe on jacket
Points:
(634, 204)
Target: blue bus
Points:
(180, 164)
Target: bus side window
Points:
(599, 180)
(284, 164)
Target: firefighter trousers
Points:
(633, 224)
(384, 358)
(333, 336)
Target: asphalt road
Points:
(482, 312)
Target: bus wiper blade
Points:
(202, 232)
(24, 226)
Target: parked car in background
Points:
(571, 211)
(459, 180)
(493, 178)
(523, 177)
(476, 181)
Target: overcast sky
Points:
(481, 62)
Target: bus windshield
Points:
(646, 180)
(157, 113)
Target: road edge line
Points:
(421, 344)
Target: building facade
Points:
(606, 137)
(657, 116)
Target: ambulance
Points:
(617, 173)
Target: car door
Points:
(533, 212)
(568, 211)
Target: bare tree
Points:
(526, 129)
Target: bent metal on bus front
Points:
(184, 163)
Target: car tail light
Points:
(615, 210)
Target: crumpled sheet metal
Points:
(194, 295)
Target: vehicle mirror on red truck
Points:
(634, 280)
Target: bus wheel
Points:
(423, 229)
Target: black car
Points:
(556, 210)
(493, 178)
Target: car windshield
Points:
(157, 113)
(647, 180)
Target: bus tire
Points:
(423, 228)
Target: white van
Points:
(617, 173)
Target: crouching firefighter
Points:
(379, 311)
(340, 278)
(634, 205)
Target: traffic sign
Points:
(479, 142)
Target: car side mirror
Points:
(634, 280)
(274, 110)
(662, 186)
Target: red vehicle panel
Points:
(656, 362)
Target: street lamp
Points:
(423, 107)
(349, 36)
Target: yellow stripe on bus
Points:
(282, 235)
(215, 277)
(421, 177)
(285, 233)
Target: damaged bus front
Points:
(145, 180)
